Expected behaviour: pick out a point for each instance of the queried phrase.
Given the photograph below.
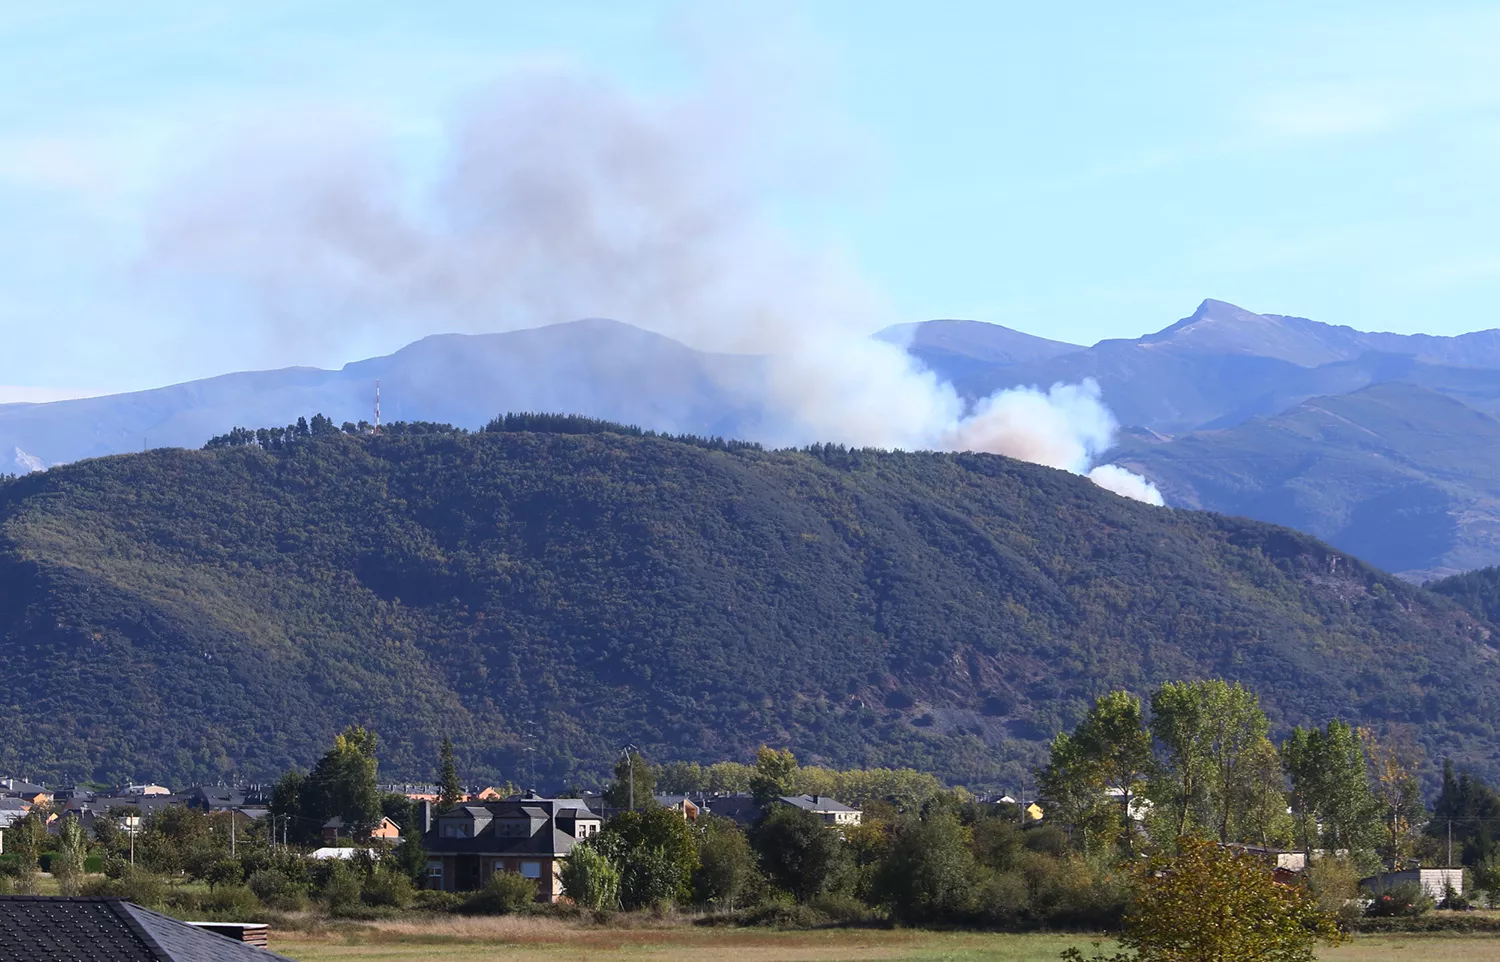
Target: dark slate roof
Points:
(39, 928)
(817, 803)
(550, 843)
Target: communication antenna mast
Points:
(377, 405)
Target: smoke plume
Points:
(557, 197)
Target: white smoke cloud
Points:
(1127, 484)
(29, 462)
(560, 197)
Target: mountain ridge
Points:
(194, 615)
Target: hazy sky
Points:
(1079, 171)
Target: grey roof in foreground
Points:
(41, 928)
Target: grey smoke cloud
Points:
(557, 196)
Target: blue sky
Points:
(1080, 171)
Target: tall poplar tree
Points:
(1094, 776)
(1333, 804)
(450, 791)
(1215, 746)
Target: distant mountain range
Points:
(1380, 443)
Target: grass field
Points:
(510, 939)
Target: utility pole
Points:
(132, 840)
(232, 833)
(630, 753)
(1450, 843)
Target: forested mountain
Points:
(1401, 476)
(1234, 392)
(1478, 591)
(545, 597)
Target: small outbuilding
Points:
(1434, 881)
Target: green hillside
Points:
(1399, 475)
(545, 598)
(1478, 591)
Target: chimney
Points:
(424, 815)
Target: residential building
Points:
(680, 803)
(385, 829)
(21, 788)
(213, 798)
(830, 810)
(743, 809)
(529, 835)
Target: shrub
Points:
(929, 873)
(277, 890)
(1402, 900)
(727, 871)
(774, 913)
(504, 893)
(230, 903)
(341, 886)
(590, 879)
(843, 909)
(1454, 900)
(1004, 901)
(388, 887)
(432, 900)
(1334, 882)
(133, 885)
(1213, 903)
(224, 871)
(651, 879)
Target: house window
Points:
(531, 869)
(435, 869)
(455, 829)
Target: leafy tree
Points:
(775, 774)
(1467, 810)
(1332, 803)
(656, 852)
(650, 879)
(450, 790)
(72, 852)
(929, 874)
(727, 869)
(224, 871)
(1264, 819)
(409, 857)
(343, 783)
(680, 778)
(1213, 736)
(1094, 776)
(286, 806)
(1400, 798)
(634, 784)
(800, 854)
(1072, 784)
(1212, 904)
(591, 879)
